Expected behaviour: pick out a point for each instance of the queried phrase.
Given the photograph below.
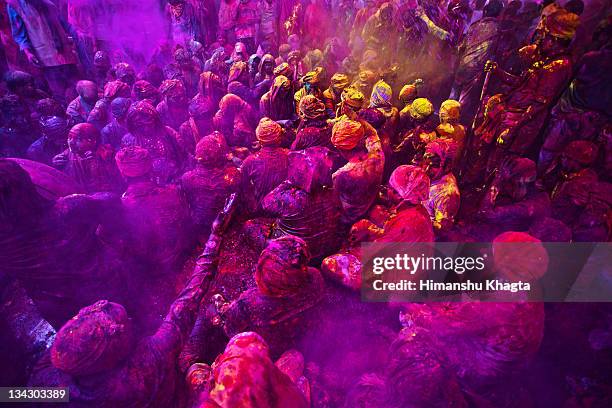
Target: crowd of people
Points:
(182, 225)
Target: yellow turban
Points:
(561, 24)
(421, 108)
(353, 98)
(339, 81)
(450, 110)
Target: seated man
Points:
(207, 186)
(305, 204)
(280, 307)
(88, 161)
(244, 375)
(264, 170)
(512, 202)
(78, 110)
(357, 182)
(173, 107)
(157, 214)
(52, 142)
(314, 129)
(444, 198)
(113, 132)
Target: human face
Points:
(82, 144)
(432, 164)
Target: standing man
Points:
(227, 21)
(248, 19)
(270, 11)
(187, 20)
(42, 36)
(479, 45)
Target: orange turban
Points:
(312, 77)
(281, 82)
(367, 77)
(282, 69)
(339, 81)
(268, 132)
(212, 150)
(561, 24)
(408, 93)
(311, 107)
(347, 134)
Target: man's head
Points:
(411, 183)
(20, 83)
(182, 57)
(438, 158)
(88, 91)
(201, 108)
(253, 63)
(55, 129)
(124, 72)
(282, 268)
(493, 8)
(450, 111)
(212, 150)
(134, 162)
(269, 133)
(347, 136)
(102, 61)
(119, 107)
(421, 109)
(515, 176)
(174, 92)
(352, 101)
(240, 52)
(311, 108)
(381, 95)
(49, 107)
(97, 339)
(284, 50)
(559, 29)
(83, 138)
(116, 89)
(266, 66)
(143, 119)
(339, 81)
(280, 86)
(386, 12)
